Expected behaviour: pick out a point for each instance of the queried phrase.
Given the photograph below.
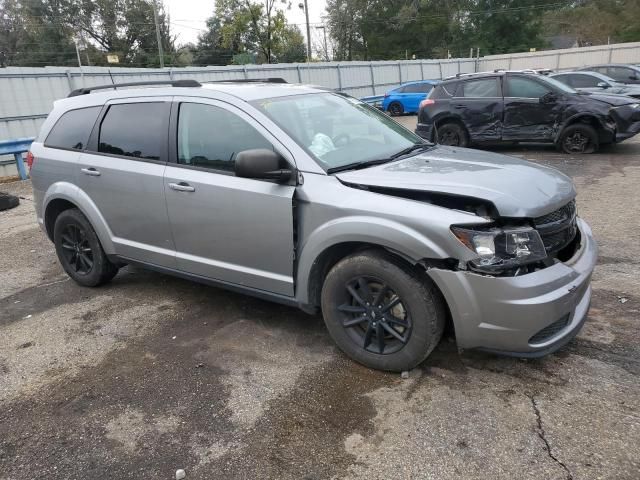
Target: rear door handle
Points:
(182, 187)
(90, 171)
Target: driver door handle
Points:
(182, 187)
(90, 171)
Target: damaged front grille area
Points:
(558, 228)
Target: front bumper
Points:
(507, 314)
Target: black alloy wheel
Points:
(452, 134)
(76, 249)
(382, 312)
(579, 139)
(79, 250)
(396, 109)
(374, 316)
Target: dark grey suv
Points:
(316, 200)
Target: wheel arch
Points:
(63, 196)
(589, 119)
(330, 243)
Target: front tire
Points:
(452, 134)
(381, 314)
(578, 139)
(79, 250)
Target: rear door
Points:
(478, 103)
(527, 116)
(122, 172)
(237, 230)
(414, 94)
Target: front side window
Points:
(519, 87)
(137, 130)
(211, 137)
(487, 87)
(73, 128)
(337, 130)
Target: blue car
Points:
(407, 97)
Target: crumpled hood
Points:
(612, 99)
(516, 187)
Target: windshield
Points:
(337, 130)
(558, 84)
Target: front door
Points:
(237, 230)
(531, 110)
(122, 173)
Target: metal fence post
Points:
(440, 68)
(558, 61)
(610, 54)
(373, 81)
(244, 71)
(299, 74)
(400, 71)
(21, 170)
(339, 78)
(70, 80)
(422, 69)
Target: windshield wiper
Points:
(412, 148)
(379, 161)
(358, 165)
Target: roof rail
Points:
(173, 83)
(251, 80)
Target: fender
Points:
(572, 119)
(389, 234)
(77, 196)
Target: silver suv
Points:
(313, 199)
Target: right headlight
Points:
(501, 248)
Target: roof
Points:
(242, 91)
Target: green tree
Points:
(594, 22)
(250, 29)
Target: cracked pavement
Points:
(151, 373)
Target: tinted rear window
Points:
(134, 130)
(73, 128)
(486, 87)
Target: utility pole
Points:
(326, 51)
(155, 19)
(305, 7)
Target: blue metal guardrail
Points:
(16, 148)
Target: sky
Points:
(188, 17)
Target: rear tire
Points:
(381, 314)
(395, 109)
(79, 250)
(452, 134)
(579, 138)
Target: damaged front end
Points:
(627, 120)
(512, 247)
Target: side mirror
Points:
(262, 163)
(548, 97)
(603, 85)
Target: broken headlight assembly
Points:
(501, 249)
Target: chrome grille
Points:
(558, 228)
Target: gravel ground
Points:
(151, 373)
